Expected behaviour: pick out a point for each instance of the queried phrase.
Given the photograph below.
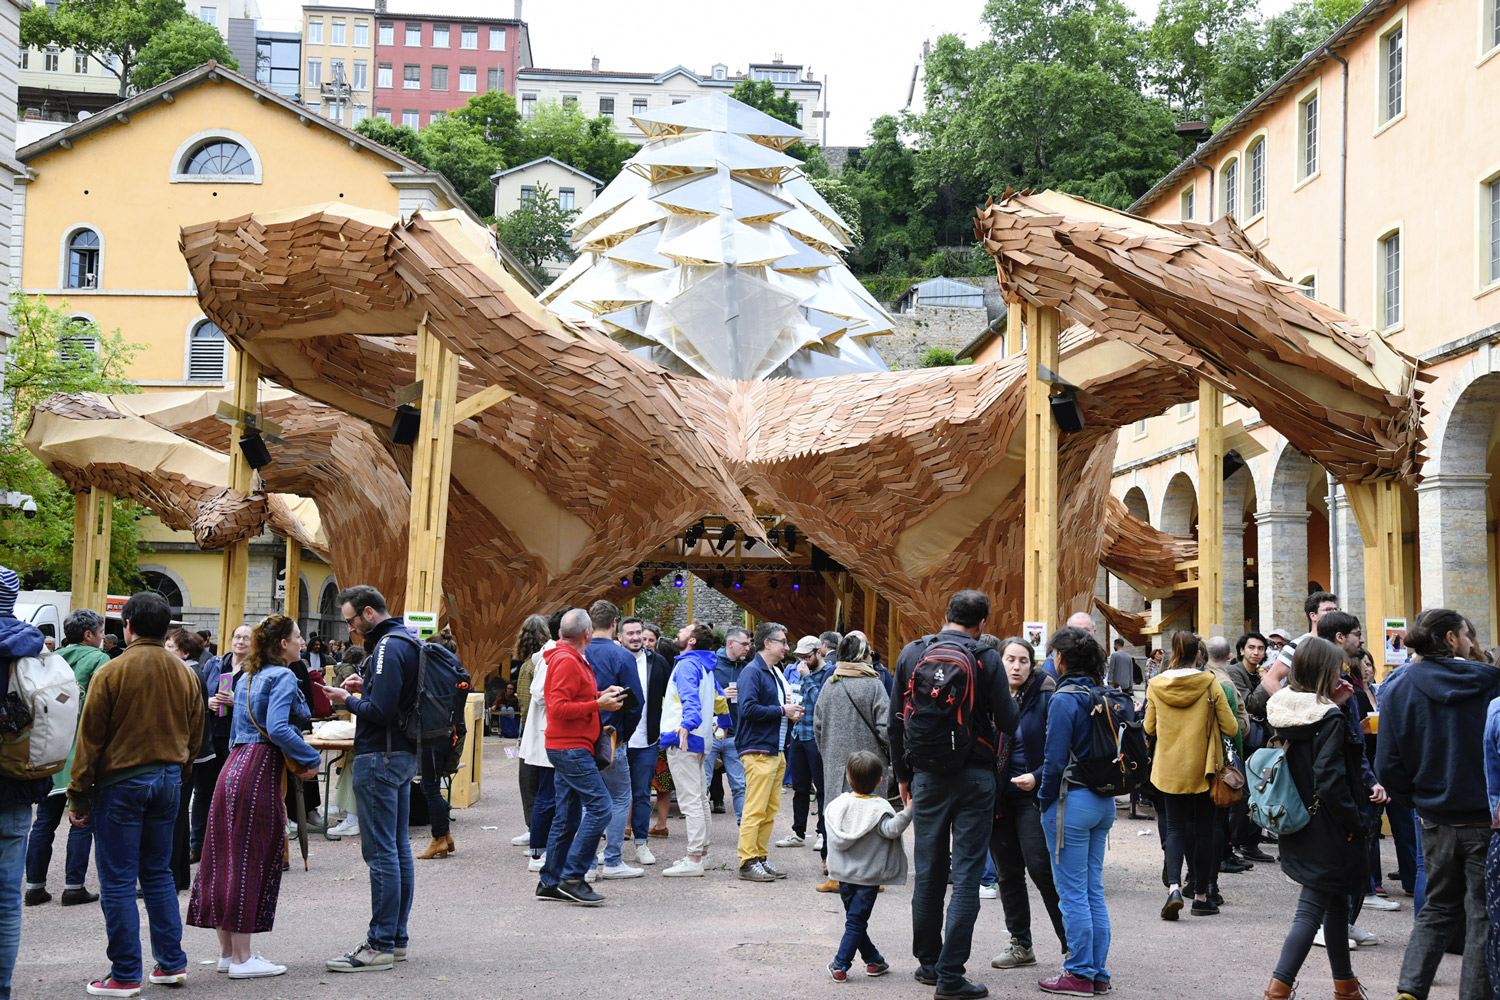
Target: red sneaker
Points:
(1380, 891)
(873, 969)
(1068, 985)
(109, 986)
(161, 977)
(839, 975)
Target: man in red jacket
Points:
(574, 702)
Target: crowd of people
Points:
(989, 750)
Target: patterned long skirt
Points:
(240, 875)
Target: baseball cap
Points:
(1282, 633)
(808, 644)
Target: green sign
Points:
(422, 624)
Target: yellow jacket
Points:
(1182, 707)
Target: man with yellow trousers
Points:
(765, 721)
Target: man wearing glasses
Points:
(766, 715)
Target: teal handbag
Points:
(1275, 803)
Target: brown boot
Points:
(437, 849)
(1348, 989)
(448, 843)
(1278, 990)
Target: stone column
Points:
(1234, 573)
(1282, 538)
(1350, 563)
(1101, 592)
(1125, 597)
(1453, 516)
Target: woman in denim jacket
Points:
(240, 875)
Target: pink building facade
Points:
(426, 65)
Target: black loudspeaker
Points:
(1232, 463)
(405, 424)
(1067, 412)
(254, 450)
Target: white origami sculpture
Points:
(712, 255)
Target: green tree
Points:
(48, 354)
(841, 199)
(1258, 52)
(537, 232)
(938, 357)
(402, 139)
(1184, 50)
(657, 604)
(762, 96)
(113, 31)
(493, 116)
(457, 150)
(568, 135)
(182, 45)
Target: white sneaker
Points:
(523, 840)
(1318, 940)
(622, 870)
(818, 844)
(1374, 902)
(685, 868)
(790, 840)
(643, 855)
(988, 891)
(223, 963)
(1362, 937)
(591, 876)
(256, 968)
(535, 864)
(348, 828)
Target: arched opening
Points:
(1458, 507)
(84, 250)
(1292, 540)
(1179, 516)
(166, 587)
(1241, 576)
(1135, 502)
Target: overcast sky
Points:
(867, 48)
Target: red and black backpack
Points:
(938, 718)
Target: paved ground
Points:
(477, 932)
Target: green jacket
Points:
(84, 660)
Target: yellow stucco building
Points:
(97, 213)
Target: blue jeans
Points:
(1078, 872)
(582, 812)
(954, 809)
(859, 903)
(804, 771)
(14, 820)
(1492, 904)
(542, 809)
(133, 821)
(382, 794)
(39, 848)
(724, 750)
(432, 790)
(642, 770)
(617, 783)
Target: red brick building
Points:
(427, 64)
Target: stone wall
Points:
(926, 327)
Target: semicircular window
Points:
(219, 158)
(166, 587)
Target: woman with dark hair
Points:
(1326, 857)
(1189, 714)
(240, 877)
(1017, 843)
(1075, 818)
(529, 642)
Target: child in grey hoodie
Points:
(864, 853)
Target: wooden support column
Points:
(431, 470)
(1210, 509)
(1040, 598)
(1377, 509)
(236, 575)
(893, 641)
(93, 522)
(293, 578)
(690, 617)
(628, 610)
(870, 599)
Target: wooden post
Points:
(431, 469)
(870, 599)
(893, 643)
(293, 579)
(628, 610)
(1040, 598)
(235, 580)
(1210, 508)
(93, 522)
(1377, 510)
(690, 617)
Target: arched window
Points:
(326, 605)
(84, 248)
(207, 353)
(82, 338)
(166, 587)
(219, 158)
(1229, 186)
(1255, 189)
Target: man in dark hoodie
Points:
(17, 796)
(1431, 740)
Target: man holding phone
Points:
(765, 721)
(614, 667)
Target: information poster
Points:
(1395, 641)
(421, 624)
(1036, 633)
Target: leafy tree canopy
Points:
(51, 353)
(567, 134)
(761, 95)
(537, 232)
(120, 29)
(182, 45)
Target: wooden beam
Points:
(870, 599)
(480, 401)
(1211, 509)
(293, 578)
(1040, 597)
(1159, 627)
(80, 549)
(93, 516)
(690, 579)
(236, 566)
(1377, 509)
(432, 470)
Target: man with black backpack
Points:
(381, 697)
(950, 704)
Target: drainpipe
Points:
(1212, 204)
(1343, 177)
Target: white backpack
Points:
(46, 686)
